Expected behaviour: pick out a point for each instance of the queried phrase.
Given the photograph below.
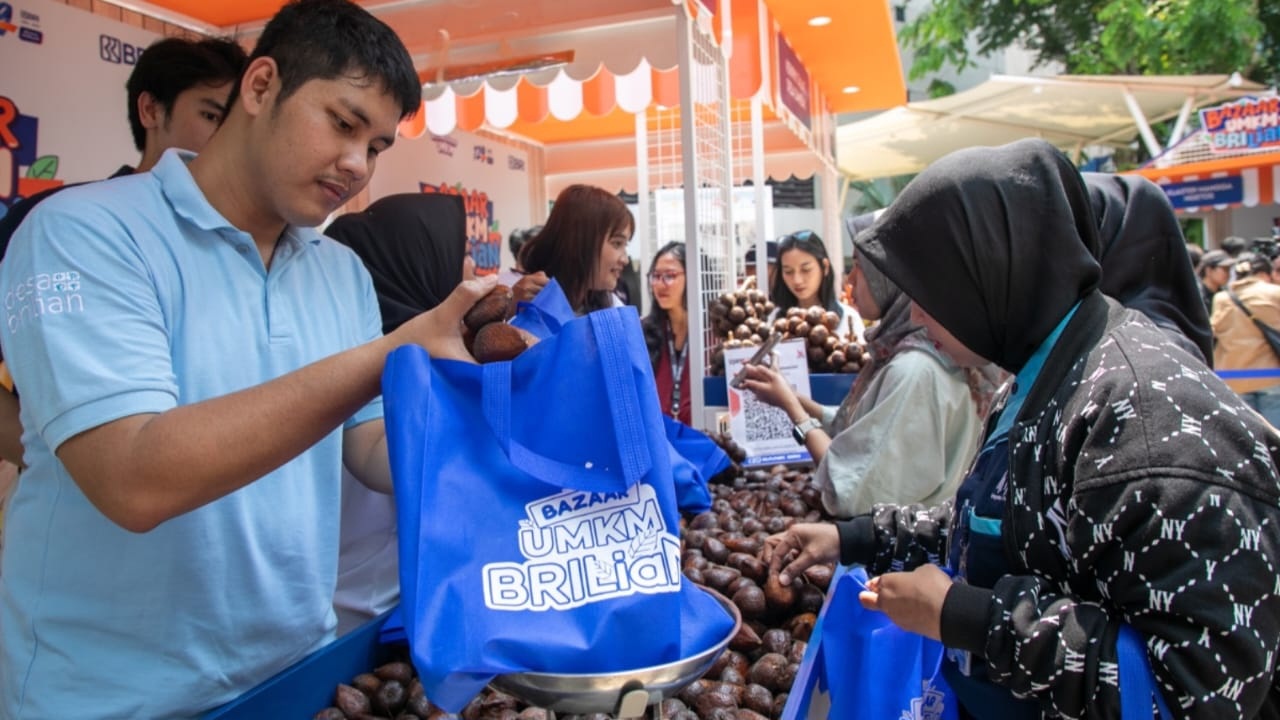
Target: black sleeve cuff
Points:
(965, 613)
(857, 540)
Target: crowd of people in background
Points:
(1240, 286)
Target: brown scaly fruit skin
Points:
(498, 341)
(497, 306)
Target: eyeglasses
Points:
(786, 242)
(665, 278)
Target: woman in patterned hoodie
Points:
(1120, 481)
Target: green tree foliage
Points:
(1104, 37)
(1269, 14)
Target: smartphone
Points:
(760, 358)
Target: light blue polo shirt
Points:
(135, 296)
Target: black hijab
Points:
(994, 244)
(1144, 258)
(413, 245)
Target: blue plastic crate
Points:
(307, 687)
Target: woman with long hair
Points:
(583, 245)
(666, 331)
(805, 278)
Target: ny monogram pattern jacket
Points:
(1141, 490)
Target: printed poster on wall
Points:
(492, 178)
(64, 115)
(763, 430)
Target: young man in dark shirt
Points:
(177, 97)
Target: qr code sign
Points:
(764, 421)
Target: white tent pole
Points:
(764, 199)
(845, 183)
(643, 209)
(1180, 127)
(758, 181)
(1140, 119)
(696, 342)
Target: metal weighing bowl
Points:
(619, 692)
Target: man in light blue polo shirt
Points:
(196, 365)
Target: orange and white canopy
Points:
(624, 55)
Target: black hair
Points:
(1266, 247)
(519, 237)
(654, 323)
(170, 67)
(1233, 245)
(325, 39)
(567, 248)
(1252, 263)
(809, 242)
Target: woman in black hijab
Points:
(1144, 258)
(414, 246)
(1120, 483)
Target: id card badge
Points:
(962, 658)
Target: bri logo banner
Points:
(1246, 124)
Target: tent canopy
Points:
(623, 54)
(1070, 111)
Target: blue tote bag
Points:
(858, 664)
(1138, 693)
(695, 457)
(537, 512)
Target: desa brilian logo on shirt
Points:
(42, 294)
(583, 547)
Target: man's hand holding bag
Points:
(538, 516)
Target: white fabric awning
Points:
(1070, 111)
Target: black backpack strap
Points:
(1236, 299)
(1270, 334)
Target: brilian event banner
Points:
(63, 106)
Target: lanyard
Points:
(677, 368)
(1026, 377)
